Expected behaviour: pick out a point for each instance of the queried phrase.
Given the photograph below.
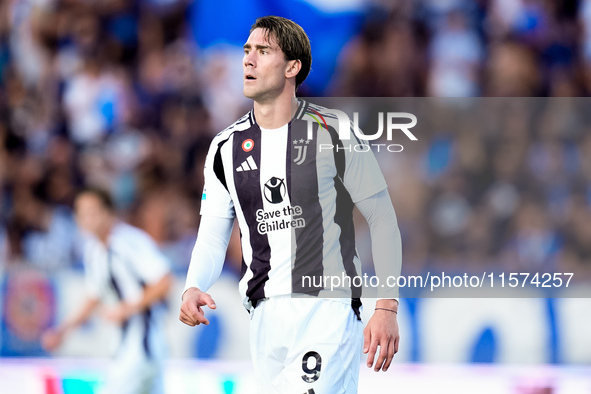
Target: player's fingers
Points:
(207, 300)
(200, 316)
(184, 318)
(194, 314)
(49, 340)
(383, 355)
(187, 319)
(194, 310)
(391, 352)
(366, 340)
(373, 347)
(111, 314)
(396, 342)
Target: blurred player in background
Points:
(294, 207)
(124, 263)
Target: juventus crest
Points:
(301, 147)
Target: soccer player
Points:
(123, 263)
(293, 202)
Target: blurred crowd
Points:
(117, 93)
(495, 184)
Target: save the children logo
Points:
(279, 219)
(274, 190)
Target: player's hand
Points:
(51, 339)
(382, 331)
(191, 312)
(119, 313)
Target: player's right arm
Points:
(206, 265)
(95, 284)
(52, 338)
(209, 252)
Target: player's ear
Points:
(293, 68)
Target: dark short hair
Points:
(103, 195)
(292, 40)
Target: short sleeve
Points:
(363, 177)
(149, 262)
(216, 200)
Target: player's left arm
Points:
(367, 187)
(382, 328)
(154, 270)
(151, 294)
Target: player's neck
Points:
(105, 232)
(274, 113)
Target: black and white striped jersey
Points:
(119, 271)
(293, 198)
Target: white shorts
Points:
(132, 370)
(306, 346)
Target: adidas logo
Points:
(247, 165)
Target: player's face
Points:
(91, 215)
(264, 67)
